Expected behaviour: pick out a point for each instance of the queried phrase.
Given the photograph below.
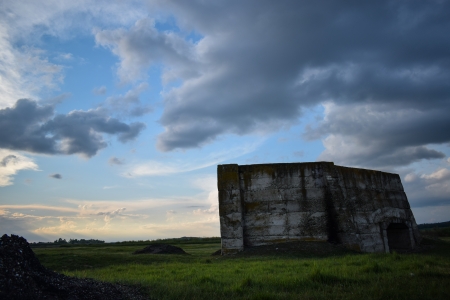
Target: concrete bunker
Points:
(366, 210)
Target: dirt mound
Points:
(160, 249)
(217, 253)
(23, 277)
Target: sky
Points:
(115, 114)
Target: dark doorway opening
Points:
(398, 237)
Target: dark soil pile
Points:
(22, 277)
(160, 249)
(217, 253)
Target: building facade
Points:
(365, 210)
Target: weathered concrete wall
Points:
(271, 203)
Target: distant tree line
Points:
(61, 241)
(434, 225)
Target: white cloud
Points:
(428, 189)
(115, 212)
(187, 164)
(64, 56)
(438, 182)
(208, 185)
(142, 46)
(411, 177)
(437, 176)
(12, 162)
(203, 228)
(26, 71)
(170, 215)
(40, 207)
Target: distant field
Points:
(441, 232)
(304, 275)
(434, 225)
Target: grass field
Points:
(334, 275)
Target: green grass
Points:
(424, 275)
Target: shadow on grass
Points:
(296, 250)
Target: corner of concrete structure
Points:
(230, 209)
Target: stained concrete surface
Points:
(273, 203)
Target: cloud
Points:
(26, 71)
(202, 228)
(143, 45)
(438, 176)
(259, 64)
(115, 161)
(170, 215)
(55, 100)
(128, 104)
(64, 56)
(377, 135)
(59, 209)
(110, 187)
(12, 162)
(8, 159)
(111, 214)
(109, 220)
(56, 176)
(160, 168)
(432, 189)
(100, 90)
(34, 128)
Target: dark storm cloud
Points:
(261, 62)
(56, 176)
(381, 68)
(21, 127)
(381, 135)
(30, 127)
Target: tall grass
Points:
(202, 276)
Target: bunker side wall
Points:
(366, 202)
